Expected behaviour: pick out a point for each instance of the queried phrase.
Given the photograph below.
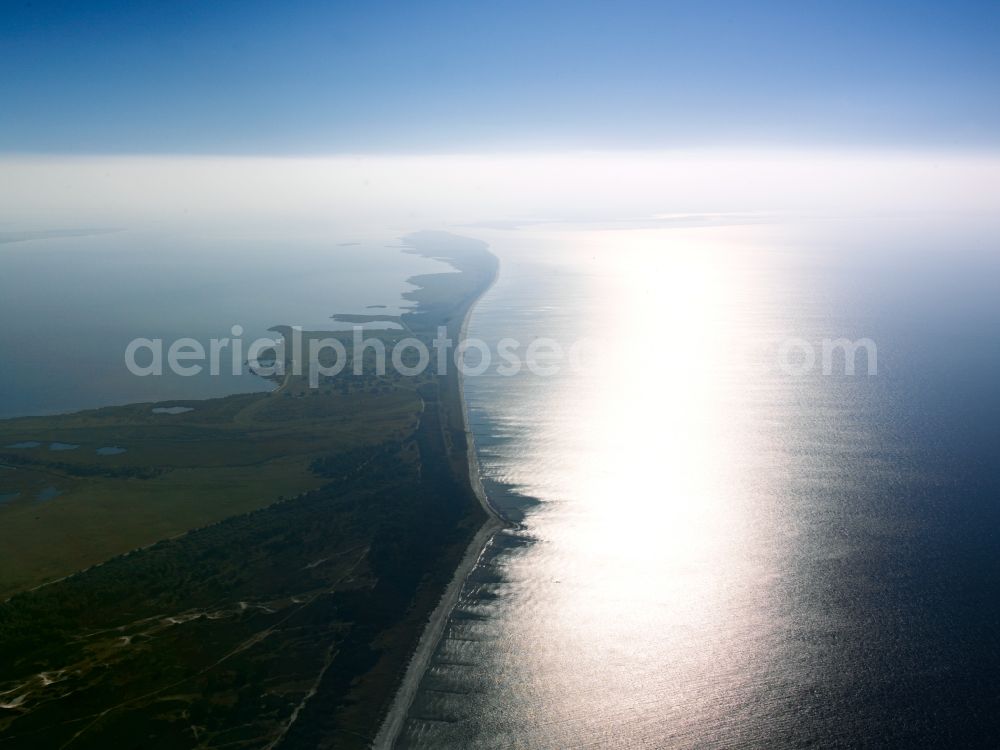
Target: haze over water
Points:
(714, 552)
(719, 553)
(724, 538)
(75, 303)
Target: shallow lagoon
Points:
(77, 301)
(110, 450)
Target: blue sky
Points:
(331, 77)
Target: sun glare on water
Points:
(659, 556)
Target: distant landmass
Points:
(7, 237)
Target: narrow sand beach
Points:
(392, 725)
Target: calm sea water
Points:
(716, 552)
(71, 305)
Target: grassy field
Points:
(74, 508)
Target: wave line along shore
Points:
(395, 719)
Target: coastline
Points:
(392, 724)
(424, 541)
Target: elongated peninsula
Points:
(258, 569)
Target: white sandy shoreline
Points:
(392, 725)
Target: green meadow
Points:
(74, 508)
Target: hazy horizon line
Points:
(520, 151)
